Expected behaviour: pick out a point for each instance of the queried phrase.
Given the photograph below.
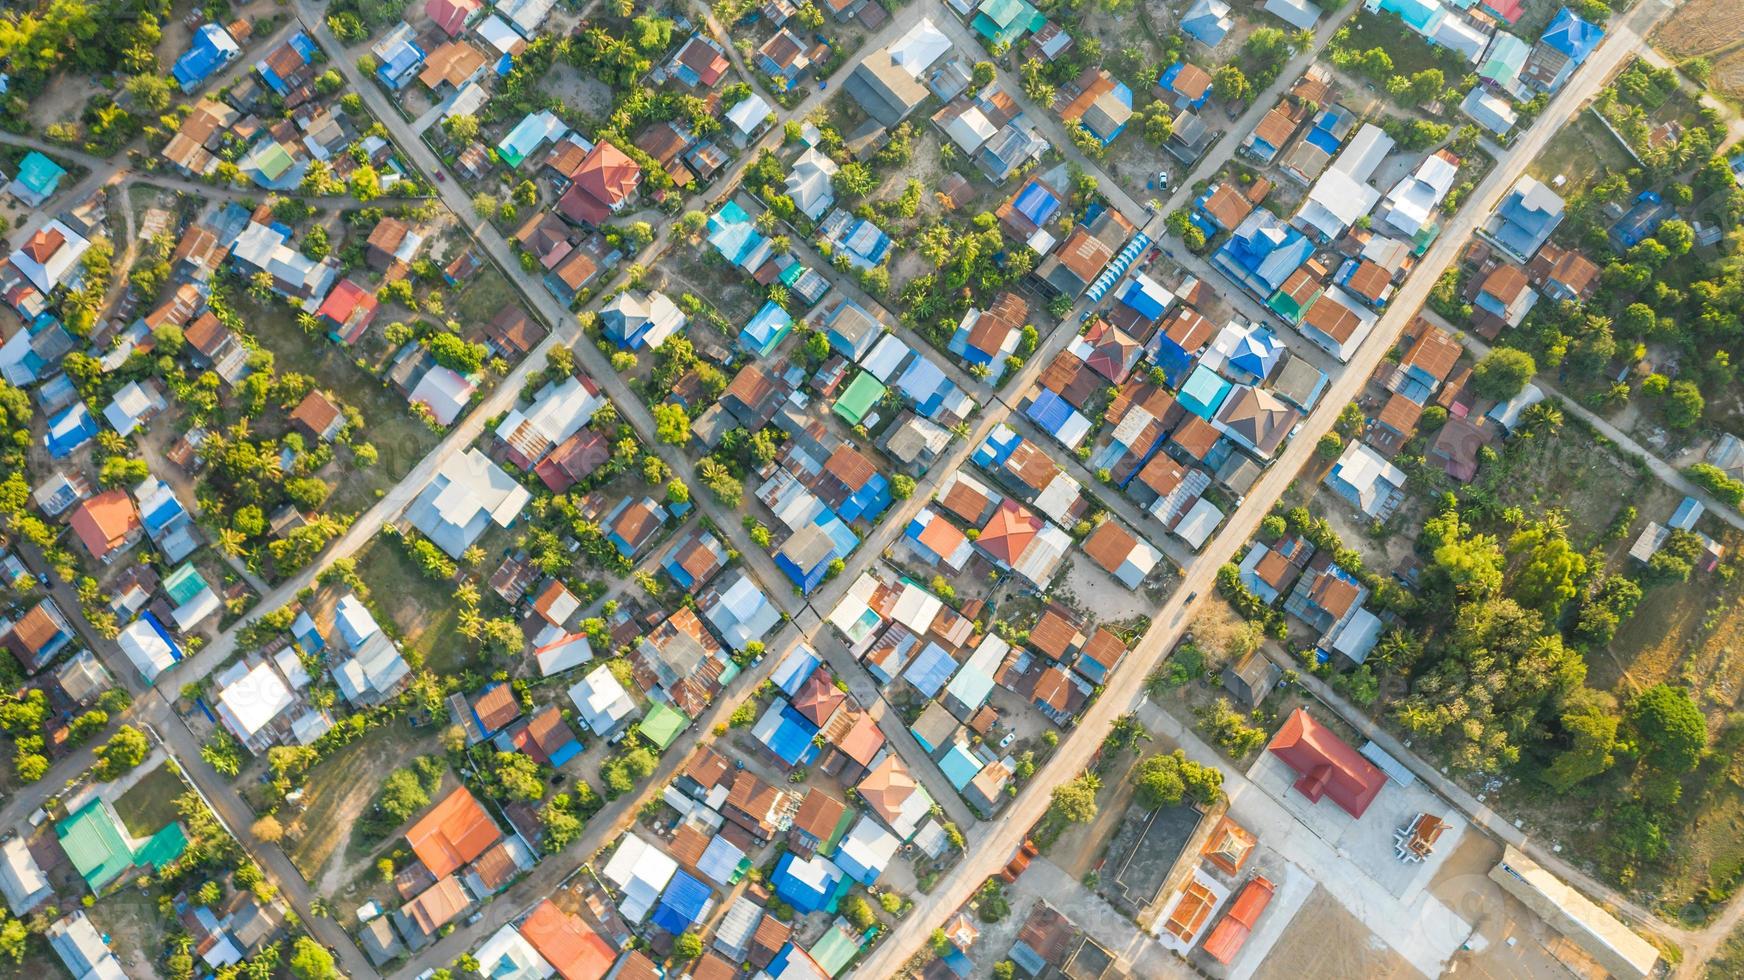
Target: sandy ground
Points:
(1510, 941)
(1326, 941)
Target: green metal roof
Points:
(94, 842)
(662, 725)
(858, 400)
(184, 584)
(835, 950)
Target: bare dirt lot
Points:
(1701, 27)
(1324, 940)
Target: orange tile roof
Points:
(818, 814)
(1009, 532)
(1506, 282)
(575, 951)
(1436, 351)
(315, 413)
(941, 537)
(1369, 280)
(1055, 634)
(1109, 545)
(1227, 206)
(1332, 318)
(105, 521)
(453, 833)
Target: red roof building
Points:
(1227, 939)
(452, 15)
(565, 941)
(453, 833)
(1008, 534)
(1327, 765)
(348, 308)
(606, 179)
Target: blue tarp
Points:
(1036, 203)
(212, 46)
(684, 902)
(1138, 297)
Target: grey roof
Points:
(884, 89)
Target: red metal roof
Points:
(1327, 765)
(1226, 940)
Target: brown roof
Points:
(1162, 474)
(1506, 282)
(1191, 81)
(1333, 594)
(1400, 414)
(496, 707)
(1332, 318)
(1435, 352)
(1109, 545)
(770, 936)
(453, 62)
(752, 795)
(662, 141)
(688, 844)
(818, 814)
(496, 867)
(850, 466)
(437, 905)
(387, 234)
(1195, 436)
(33, 631)
(1104, 648)
(1055, 633)
(206, 333)
(566, 157)
(1227, 206)
(708, 767)
(1032, 466)
(1369, 280)
(44, 244)
(576, 269)
(1566, 266)
(1188, 328)
(315, 413)
(514, 330)
(965, 501)
(1278, 126)
(1084, 254)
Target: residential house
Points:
(1563, 275)
(601, 186)
(1504, 297)
(209, 49)
(1207, 21)
(1563, 46)
(809, 183)
(1098, 102)
(886, 83)
(1367, 481)
(451, 66)
(37, 180)
(1338, 323)
(107, 524)
(699, 63)
(38, 636)
(319, 417)
(602, 703)
(467, 494)
(1525, 219)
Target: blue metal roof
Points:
(997, 447)
(790, 738)
(1138, 297)
(682, 904)
(802, 893)
(69, 430)
(1571, 35)
(790, 674)
(930, 670)
(1049, 411)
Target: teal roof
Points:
(959, 766)
(835, 950)
(1507, 55)
(1004, 21)
(39, 173)
(1204, 392)
(857, 401)
(164, 847)
(1417, 14)
(184, 584)
(94, 842)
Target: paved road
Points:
(991, 852)
(1668, 474)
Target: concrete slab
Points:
(1368, 843)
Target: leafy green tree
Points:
(1589, 728)
(1075, 801)
(688, 946)
(1668, 728)
(1551, 571)
(124, 750)
(1503, 373)
(672, 423)
(311, 961)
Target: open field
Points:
(1583, 153)
(150, 804)
(1691, 633)
(340, 791)
(1701, 27)
(388, 423)
(1324, 940)
(1410, 52)
(424, 612)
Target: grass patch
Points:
(1584, 152)
(150, 804)
(1409, 51)
(340, 791)
(487, 294)
(424, 611)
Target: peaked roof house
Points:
(37, 180)
(601, 186)
(1338, 323)
(894, 797)
(49, 258)
(808, 183)
(1102, 105)
(1207, 21)
(211, 48)
(1327, 767)
(636, 321)
(602, 703)
(1262, 253)
(699, 62)
(107, 524)
(1524, 220)
(467, 494)
(1367, 481)
(1563, 46)
(37, 637)
(887, 83)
